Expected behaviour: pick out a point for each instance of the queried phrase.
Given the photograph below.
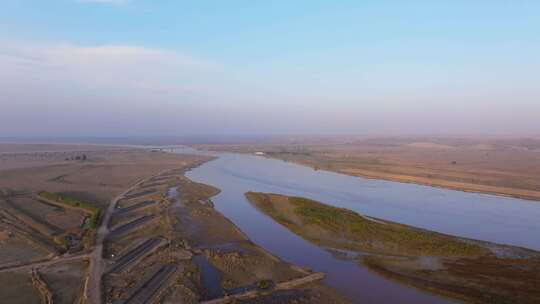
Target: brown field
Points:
(36, 155)
(53, 248)
(65, 280)
(32, 230)
(509, 167)
(15, 249)
(97, 180)
(16, 288)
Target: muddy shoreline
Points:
(246, 270)
(205, 257)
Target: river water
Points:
(477, 216)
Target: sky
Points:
(164, 67)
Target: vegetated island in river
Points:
(464, 269)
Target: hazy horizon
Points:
(109, 68)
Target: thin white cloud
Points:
(108, 66)
(53, 89)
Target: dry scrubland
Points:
(35, 155)
(84, 225)
(468, 270)
(497, 166)
(97, 179)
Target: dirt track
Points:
(46, 262)
(94, 294)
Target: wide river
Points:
(477, 216)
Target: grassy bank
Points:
(345, 229)
(462, 269)
(68, 201)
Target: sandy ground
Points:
(509, 167)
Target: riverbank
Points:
(506, 168)
(464, 269)
(432, 182)
(227, 265)
(190, 253)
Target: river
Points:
(478, 216)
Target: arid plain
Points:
(98, 224)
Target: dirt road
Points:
(97, 265)
(53, 261)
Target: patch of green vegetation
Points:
(88, 238)
(349, 230)
(331, 218)
(265, 284)
(94, 211)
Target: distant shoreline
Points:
(408, 179)
(530, 195)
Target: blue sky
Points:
(271, 67)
